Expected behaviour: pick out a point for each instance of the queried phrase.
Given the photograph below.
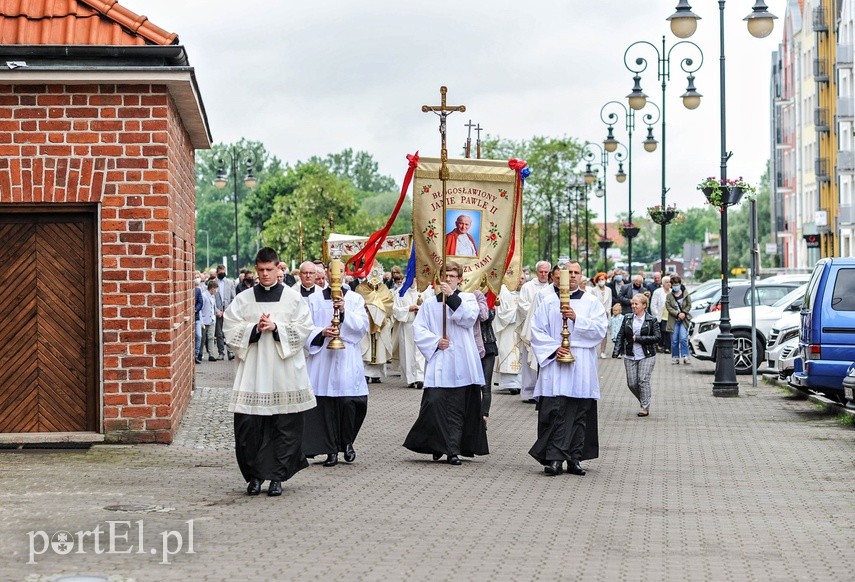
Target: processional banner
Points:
(481, 228)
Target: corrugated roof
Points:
(76, 22)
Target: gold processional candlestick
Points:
(564, 299)
(335, 294)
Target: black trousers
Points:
(488, 363)
(269, 447)
(333, 423)
(449, 423)
(566, 430)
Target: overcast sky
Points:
(311, 78)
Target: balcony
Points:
(820, 20)
(820, 70)
(821, 170)
(845, 109)
(844, 56)
(845, 162)
(820, 119)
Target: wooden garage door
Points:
(48, 357)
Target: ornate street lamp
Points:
(589, 154)
(760, 24)
(249, 180)
(691, 98)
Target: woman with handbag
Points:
(638, 337)
(679, 304)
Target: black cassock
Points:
(566, 430)
(446, 414)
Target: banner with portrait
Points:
(480, 228)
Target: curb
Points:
(830, 405)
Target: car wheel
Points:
(742, 351)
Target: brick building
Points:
(100, 117)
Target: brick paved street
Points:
(758, 487)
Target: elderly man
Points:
(630, 291)
(308, 275)
(225, 296)
(459, 242)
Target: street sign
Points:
(771, 249)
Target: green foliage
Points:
(710, 269)
(360, 169)
(546, 195)
(317, 196)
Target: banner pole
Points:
(443, 111)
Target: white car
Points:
(704, 330)
(780, 350)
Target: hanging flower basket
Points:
(628, 230)
(722, 193)
(605, 243)
(664, 215)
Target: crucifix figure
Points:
(478, 129)
(443, 111)
(469, 125)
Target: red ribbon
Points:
(517, 166)
(364, 259)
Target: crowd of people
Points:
(295, 397)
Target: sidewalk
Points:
(758, 487)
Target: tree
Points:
(318, 194)
(359, 168)
(546, 193)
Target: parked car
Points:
(701, 296)
(783, 342)
(739, 293)
(827, 328)
(704, 329)
(799, 278)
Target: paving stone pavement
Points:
(758, 487)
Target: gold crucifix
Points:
(443, 111)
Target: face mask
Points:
(601, 283)
(221, 275)
(619, 278)
(676, 289)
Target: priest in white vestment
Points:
(266, 328)
(506, 326)
(410, 359)
(567, 392)
(449, 421)
(377, 343)
(308, 275)
(528, 373)
(338, 377)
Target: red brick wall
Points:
(123, 147)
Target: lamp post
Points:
(610, 144)
(683, 25)
(233, 155)
(574, 184)
(637, 99)
(207, 248)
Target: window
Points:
(843, 296)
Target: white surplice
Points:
(459, 365)
(506, 326)
(271, 375)
(410, 359)
(579, 379)
(338, 372)
(528, 373)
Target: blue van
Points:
(827, 331)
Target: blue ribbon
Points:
(524, 173)
(410, 275)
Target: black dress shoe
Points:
(212, 359)
(254, 487)
(420, 385)
(198, 360)
(231, 356)
(332, 460)
(437, 456)
(275, 489)
(349, 453)
(574, 468)
(554, 468)
(454, 460)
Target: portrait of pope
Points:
(460, 241)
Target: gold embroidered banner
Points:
(478, 225)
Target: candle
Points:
(563, 279)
